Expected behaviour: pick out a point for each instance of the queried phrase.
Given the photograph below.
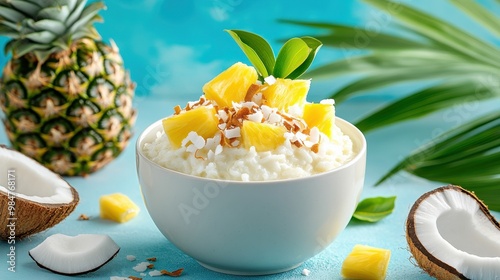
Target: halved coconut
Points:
(32, 198)
(73, 255)
(452, 235)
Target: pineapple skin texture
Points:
(72, 113)
(117, 207)
(202, 120)
(231, 85)
(366, 262)
(321, 116)
(285, 93)
(262, 136)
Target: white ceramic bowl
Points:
(251, 228)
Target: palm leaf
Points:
(432, 27)
(452, 62)
(465, 156)
(480, 14)
(339, 36)
(428, 101)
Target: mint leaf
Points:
(374, 209)
(257, 49)
(293, 53)
(314, 44)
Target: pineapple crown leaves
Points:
(293, 59)
(46, 26)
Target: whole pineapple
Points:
(65, 94)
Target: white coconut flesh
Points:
(454, 230)
(32, 181)
(72, 255)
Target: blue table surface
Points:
(141, 238)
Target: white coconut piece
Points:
(40, 197)
(141, 267)
(270, 80)
(131, 258)
(73, 255)
(452, 235)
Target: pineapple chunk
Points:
(231, 85)
(365, 262)
(285, 93)
(321, 116)
(202, 120)
(263, 136)
(117, 207)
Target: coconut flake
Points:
(118, 278)
(327, 101)
(306, 272)
(248, 104)
(257, 98)
(266, 111)
(218, 149)
(232, 133)
(255, 117)
(191, 148)
(131, 258)
(270, 80)
(222, 126)
(314, 135)
(199, 142)
(155, 273)
(141, 267)
(274, 118)
(222, 115)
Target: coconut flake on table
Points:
(155, 273)
(131, 258)
(118, 278)
(141, 267)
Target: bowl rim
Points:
(361, 153)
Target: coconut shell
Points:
(425, 260)
(32, 217)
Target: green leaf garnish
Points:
(258, 50)
(314, 45)
(374, 209)
(293, 53)
(293, 59)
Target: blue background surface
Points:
(171, 49)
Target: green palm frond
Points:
(457, 67)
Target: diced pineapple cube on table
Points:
(117, 207)
(366, 262)
(202, 120)
(231, 85)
